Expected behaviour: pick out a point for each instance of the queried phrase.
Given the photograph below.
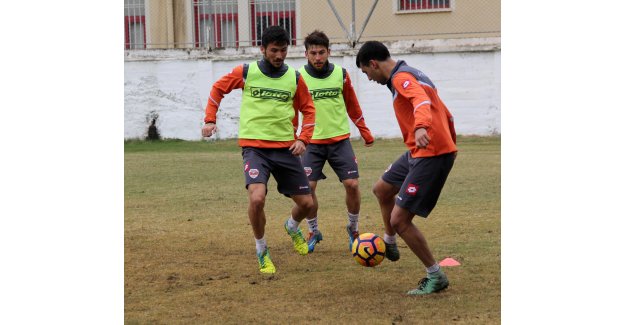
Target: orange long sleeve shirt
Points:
(417, 105)
(355, 114)
(302, 102)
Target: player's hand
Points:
(298, 147)
(421, 137)
(209, 129)
(370, 144)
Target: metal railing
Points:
(423, 5)
(213, 24)
(134, 24)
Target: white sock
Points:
(390, 239)
(292, 224)
(261, 245)
(353, 221)
(312, 224)
(433, 269)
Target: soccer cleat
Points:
(434, 282)
(313, 239)
(352, 236)
(392, 253)
(264, 262)
(299, 243)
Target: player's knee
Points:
(398, 223)
(381, 192)
(351, 185)
(307, 204)
(257, 200)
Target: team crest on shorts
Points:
(253, 173)
(356, 160)
(308, 171)
(412, 189)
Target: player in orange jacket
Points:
(273, 95)
(412, 184)
(335, 104)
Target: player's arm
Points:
(354, 111)
(407, 86)
(302, 102)
(223, 86)
(450, 121)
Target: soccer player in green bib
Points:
(273, 94)
(335, 102)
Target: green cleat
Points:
(264, 262)
(392, 253)
(434, 282)
(299, 243)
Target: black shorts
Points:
(286, 169)
(340, 155)
(420, 181)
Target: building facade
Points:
(164, 24)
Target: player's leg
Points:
(352, 201)
(303, 206)
(352, 196)
(256, 212)
(401, 221)
(292, 182)
(418, 196)
(385, 190)
(256, 208)
(343, 161)
(314, 234)
(436, 280)
(385, 194)
(313, 160)
(256, 171)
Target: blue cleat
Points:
(313, 239)
(352, 236)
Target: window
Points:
(216, 23)
(134, 24)
(267, 13)
(423, 5)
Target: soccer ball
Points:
(368, 249)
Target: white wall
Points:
(177, 90)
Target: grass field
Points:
(190, 258)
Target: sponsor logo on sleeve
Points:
(405, 84)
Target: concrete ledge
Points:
(338, 49)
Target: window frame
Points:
(274, 20)
(133, 20)
(217, 20)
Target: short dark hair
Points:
(317, 37)
(371, 50)
(275, 34)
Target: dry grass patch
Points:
(189, 249)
